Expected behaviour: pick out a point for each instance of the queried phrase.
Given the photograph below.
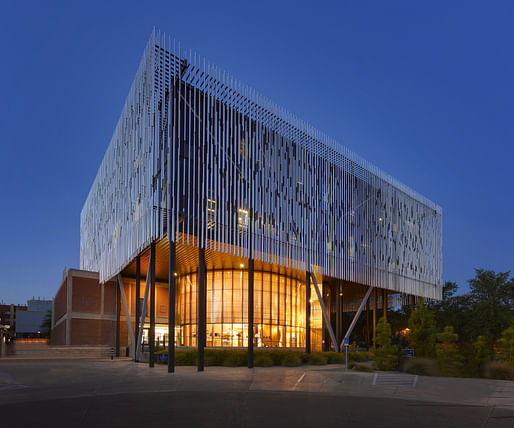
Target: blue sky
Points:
(424, 91)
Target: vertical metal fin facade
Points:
(199, 155)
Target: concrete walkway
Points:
(24, 381)
(31, 378)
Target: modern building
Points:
(214, 199)
(29, 322)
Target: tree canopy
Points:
(486, 310)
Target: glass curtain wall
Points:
(279, 314)
(316, 321)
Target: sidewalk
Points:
(33, 380)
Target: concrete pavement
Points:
(120, 392)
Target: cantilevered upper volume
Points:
(205, 161)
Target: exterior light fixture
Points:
(241, 265)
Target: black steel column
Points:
(368, 336)
(138, 306)
(375, 298)
(201, 313)
(151, 336)
(118, 317)
(339, 313)
(171, 309)
(307, 312)
(250, 314)
(324, 340)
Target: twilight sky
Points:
(425, 92)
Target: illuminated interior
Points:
(279, 314)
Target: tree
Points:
(455, 311)
(385, 354)
(506, 344)
(485, 311)
(423, 331)
(492, 302)
(481, 356)
(449, 360)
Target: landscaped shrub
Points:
(335, 357)
(262, 359)
(420, 366)
(502, 371)
(423, 331)
(185, 357)
(385, 355)
(506, 345)
(292, 359)
(316, 358)
(449, 359)
(214, 357)
(360, 357)
(235, 358)
(277, 355)
(476, 357)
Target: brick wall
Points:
(59, 334)
(60, 302)
(87, 324)
(86, 295)
(92, 332)
(110, 298)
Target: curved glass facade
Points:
(279, 314)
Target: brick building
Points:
(8, 314)
(84, 311)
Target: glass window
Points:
(279, 310)
(274, 299)
(282, 300)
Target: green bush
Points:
(262, 359)
(317, 358)
(423, 330)
(235, 359)
(385, 355)
(506, 345)
(501, 371)
(360, 357)
(449, 359)
(214, 357)
(185, 357)
(292, 359)
(476, 356)
(420, 366)
(275, 355)
(335, 357)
